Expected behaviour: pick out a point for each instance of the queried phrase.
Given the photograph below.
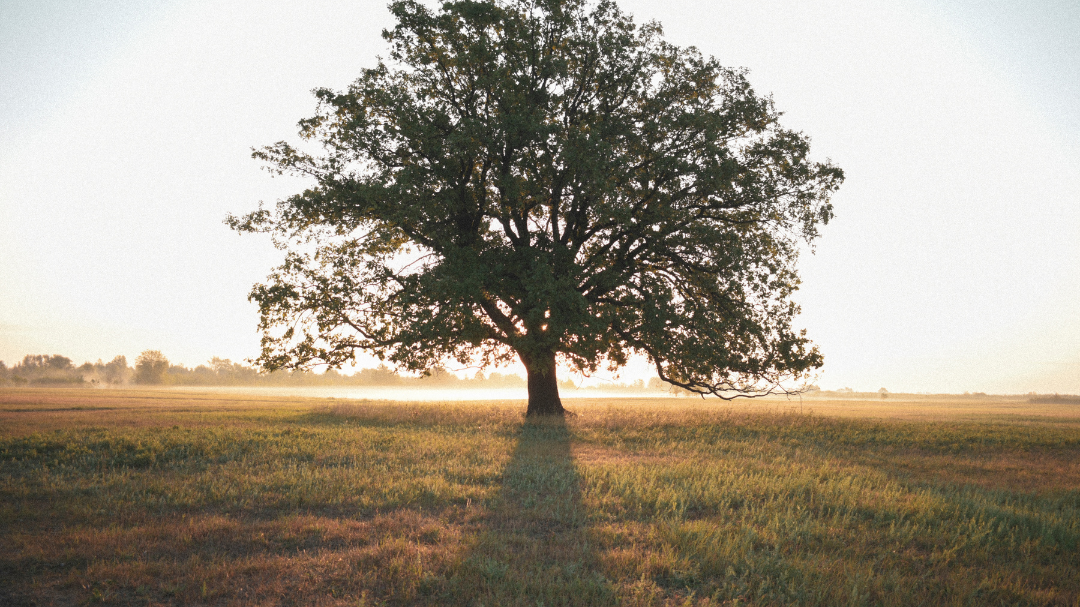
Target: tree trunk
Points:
(543, 387)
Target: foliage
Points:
(116, 371)
(151, 367)
(40, 362)
(53, 370)
(535, 178)
(43, 369)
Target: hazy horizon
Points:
(951, 266)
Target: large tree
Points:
(151, 367)
(545, 180)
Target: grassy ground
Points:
(173, 498)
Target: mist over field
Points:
(152, 368)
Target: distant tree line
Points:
(42, 369)
(153, 368)
(1054, 399)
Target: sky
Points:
(953, 263)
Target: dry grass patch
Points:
(120, 498)
(228, 560)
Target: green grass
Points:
(159, 498)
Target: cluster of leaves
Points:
(542, 178)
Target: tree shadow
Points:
(533, 546)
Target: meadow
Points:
(136, 497)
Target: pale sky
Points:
(953, 263)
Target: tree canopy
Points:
(546, 180)
(151, 367)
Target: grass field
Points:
(172, 498)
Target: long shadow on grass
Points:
(533, 547)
